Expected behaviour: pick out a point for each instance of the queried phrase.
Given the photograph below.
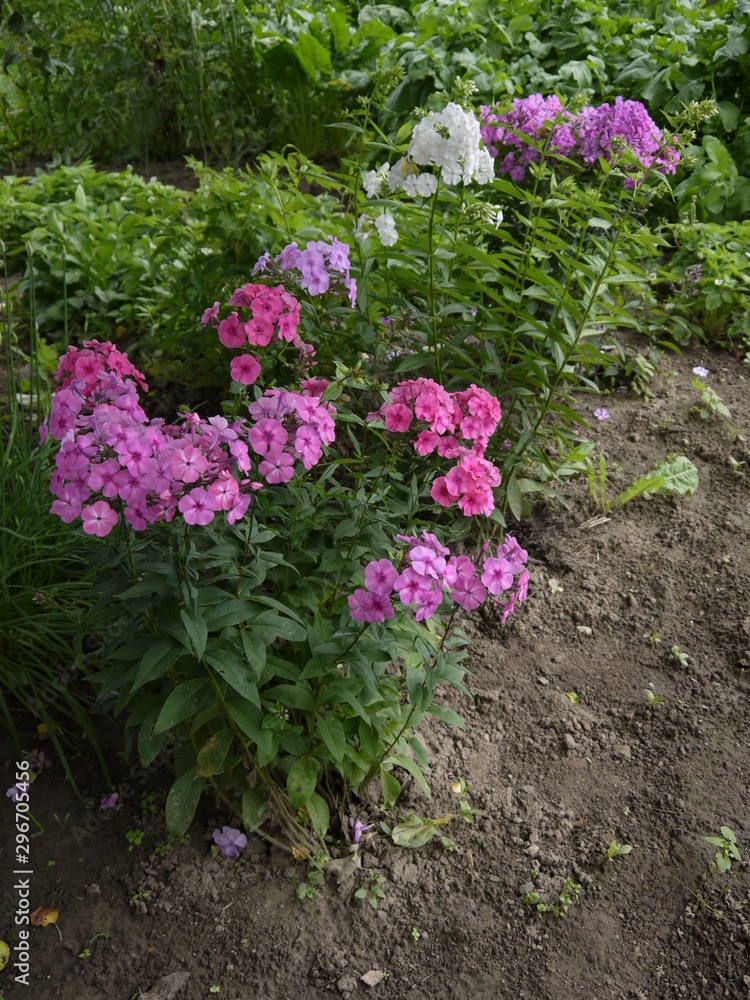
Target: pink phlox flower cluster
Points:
(471, 415)
(593, 132)
(288, 426)
(428, 573)
(317, 265)
(113, 459)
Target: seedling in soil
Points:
(710, 404)
(150, 804)
(374, 892)
(654, 638)
(678, 657)
(467, 813)
(416, 934)
(569, 895)
(134, 838)
(654, 699)
(572, 697)
(616, 850)
(727, 844)
(86, 953)
(307, 890)
(214, 989)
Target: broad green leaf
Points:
(412, 767)
(679, 474)
(255, 651)
(414, 833)
(255, 809)
(447, 715)
(292, 695)
(234, 669)
(182, 802)
(148, 744)
(213, 754)
(197, 631)
(249, 720)
(162, 655)
(391, 789)
(317, 809)
(183, 702)
(301, 781)
(332, 733)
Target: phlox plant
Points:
(285, 638)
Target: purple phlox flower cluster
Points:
(230, 841)
(428, 573)
(315, 267)
(15, 792)
(109, 801)
(38, 760)
(289, 426)
(359, 828)
(471, 415)
(113, 459)
(592, 133)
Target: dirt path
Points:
(557, 781)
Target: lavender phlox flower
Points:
(601, 413)
(109, 802)
(700, 371)
(229, 841)
(359, 828)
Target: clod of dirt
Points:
(166, 987)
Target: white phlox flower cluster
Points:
(386, 228)
(373, 180)
(449, 140)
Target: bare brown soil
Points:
(557, 782)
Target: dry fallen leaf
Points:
(43, 916)
(300, 853)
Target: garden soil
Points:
(557, 780)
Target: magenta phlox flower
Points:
(359, 828)
(188, 464)
(98, 519)
(230, 332)
(239, 507)
(136, 516)
(425, 442)
(308, 445)
(497, 575)
(397, 418)
(511, 551)
(428, 605)
(441, 492)
(211, 315)
(277, 467)
(109, 802)
(381, 576)
(224, 490)
(426, 562)
(230, 841)
(468, 592)
(411, 586)
(522, 590)
(198, 506)
(67, 506)
(360, 605)
(267, 435)
(458, 566)
(245, 369)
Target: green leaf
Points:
(212, 756)
(317, 810)
(413, 833)
(162, 655)
(391, 789)
(332, 733)
(313, 57)
(148, 744)
(183, 702)
(513, 493)
(197, 631)
(412, 767)
(447, 715)
(255, 651)
(339, 29)
(644, 484)
(679, 474)
(80, 198)
(182, 802)
(17, 23)
(222, 658)
(249, 720)
(300, 784)
(292, 695)
(255, 809)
